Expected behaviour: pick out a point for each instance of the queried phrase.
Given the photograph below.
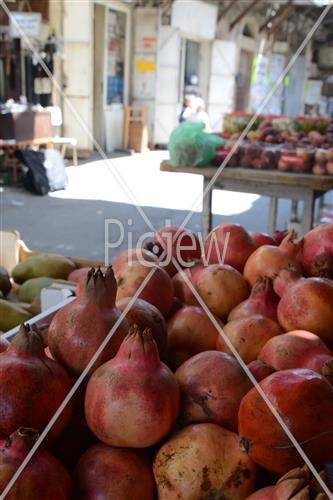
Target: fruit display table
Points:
(272, 183)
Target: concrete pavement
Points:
(72, 222)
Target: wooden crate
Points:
(14, 250)
(135, 129)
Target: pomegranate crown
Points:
(140, 345)
(101, 288)
(28, 340)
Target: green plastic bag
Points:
(189, 146)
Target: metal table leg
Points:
(273, 208)
(206, 209)
(308, 211)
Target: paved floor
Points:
(73, 221)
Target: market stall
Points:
(272, 183)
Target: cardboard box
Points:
(25, 126)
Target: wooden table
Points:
(272, 183)
(11, 146)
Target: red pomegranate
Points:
(114, 473)
(77, 330)
(43, 477)
(132, 255)
(133, 399)
(157, 291)
(203, 461)
(278, 235)
(176, 243)
(75, 439)
(79, 276)
(262, 239)
(268, 260)
(260, 370)
(297, 349)
(317, 252)
(263, 300)
(145, 315)
(212, 385)
(222, 288)
(285, 279)
(32, 386)
(239, 246)
(190, 331)
(304, 399)
(3, 344)
(297, 484)
(248, 336)
(308, 305)
(175, 306)
(181, 287)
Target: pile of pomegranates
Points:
(215, 381)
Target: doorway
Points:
(111, 73)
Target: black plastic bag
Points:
(35, 179)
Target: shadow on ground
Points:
(77, 227)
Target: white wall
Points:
(78, 64)
(145, 24)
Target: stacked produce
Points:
(168, 408)
(299, 146)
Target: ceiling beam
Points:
(273, 18)
(280, 19)
(225, 10)
(243, 13)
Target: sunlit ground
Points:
(137, 179)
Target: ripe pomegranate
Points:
(268, 260)
(3, 344)
(260, 370)
(240, 246)
(181, 287)
(79, 276)
(263, 300)
(176, 243)
(132, 255)
(114, 473)
(175, 306)
(248, 336)
(212, 385)
(203, 461)
(278, 235)
(145, 315)
(297, 349)
(317, 252)
(77, 330)
(190, 331)
(222, 288)
(44, 475)
(157, 291)
(262, 239)
(297, 484)
(285, 279)
(32, 386)
(308, 305)
(133, 399)
(304, 399)
(75, 439)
